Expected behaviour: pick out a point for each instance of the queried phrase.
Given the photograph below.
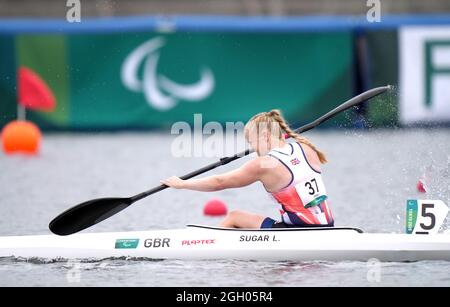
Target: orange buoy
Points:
(21, 137)
(215, 207)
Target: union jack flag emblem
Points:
(295, 161)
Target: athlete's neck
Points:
(276, 143)
(269, 145)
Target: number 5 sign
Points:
(425, 216)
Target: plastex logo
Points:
(126, 243)
(198, 242)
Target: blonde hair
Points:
(274, 116)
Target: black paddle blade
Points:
(87, 214)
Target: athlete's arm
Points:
(247, 174)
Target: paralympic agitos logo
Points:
(159, 91)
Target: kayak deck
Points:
(207, 242)
(337, 228)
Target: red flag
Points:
(34, 92)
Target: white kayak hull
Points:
(202, 242)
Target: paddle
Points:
(94, 211)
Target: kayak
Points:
(206, 242)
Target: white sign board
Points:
(425, 216)
(424, 59)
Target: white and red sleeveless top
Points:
(304, 200)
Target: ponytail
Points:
(275, 116)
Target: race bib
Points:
(311, 191)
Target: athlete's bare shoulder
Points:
(311, 156)
(266, 163)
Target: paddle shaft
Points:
(225, 160)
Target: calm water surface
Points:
(369, 178)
